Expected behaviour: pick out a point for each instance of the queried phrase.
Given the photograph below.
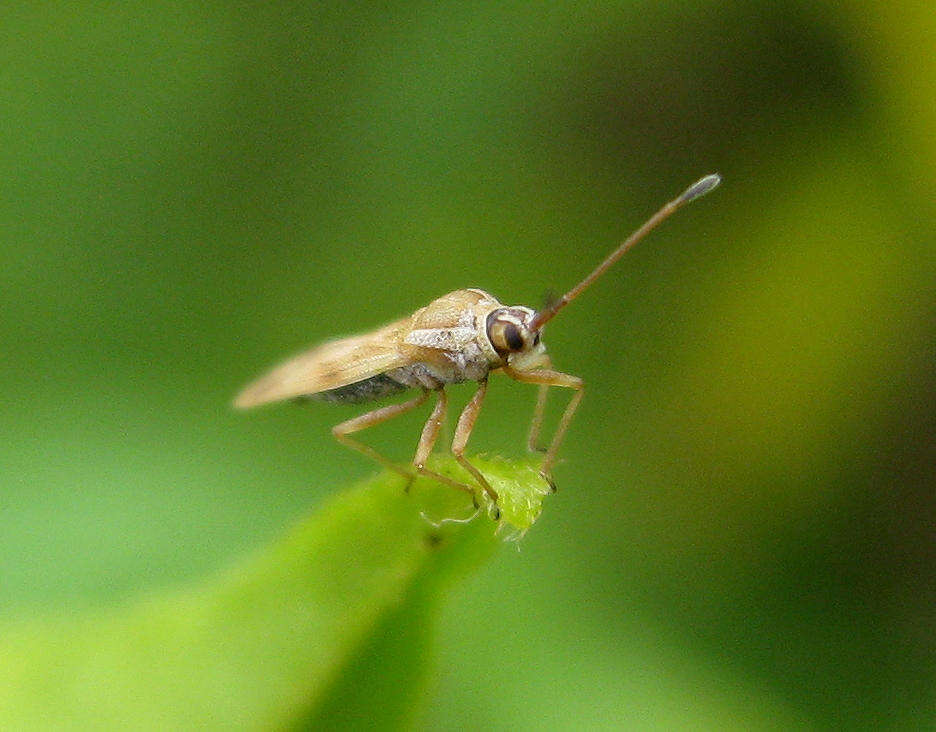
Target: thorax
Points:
(449, 342)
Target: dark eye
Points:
(536, 339)
(512, 337)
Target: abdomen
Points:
(367, 390)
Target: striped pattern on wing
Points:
(330, 366)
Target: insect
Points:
(462, 336)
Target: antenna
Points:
(696, 190)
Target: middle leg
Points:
(463, 431)
(427, 441)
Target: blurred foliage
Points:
(744, 530)
(326, 628)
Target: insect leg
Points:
(537, 422)
(343, 431)
(430, 432)
(547, 378)
(463, 431)
(428, 439)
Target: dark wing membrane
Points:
(330, 366)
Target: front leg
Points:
(547, 378)
(533, 443)
(533, 436)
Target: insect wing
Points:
(330, 366)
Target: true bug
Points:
(462, 336)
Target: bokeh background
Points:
(744, 533)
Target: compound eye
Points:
(505, 333)
(512, 337)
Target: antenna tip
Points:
(700, 188)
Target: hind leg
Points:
(343, 431)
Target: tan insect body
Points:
(461, 336)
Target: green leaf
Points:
(327, 627)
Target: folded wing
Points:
(330, 366)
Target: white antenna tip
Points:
(700, 188)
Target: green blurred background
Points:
(744, 533)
